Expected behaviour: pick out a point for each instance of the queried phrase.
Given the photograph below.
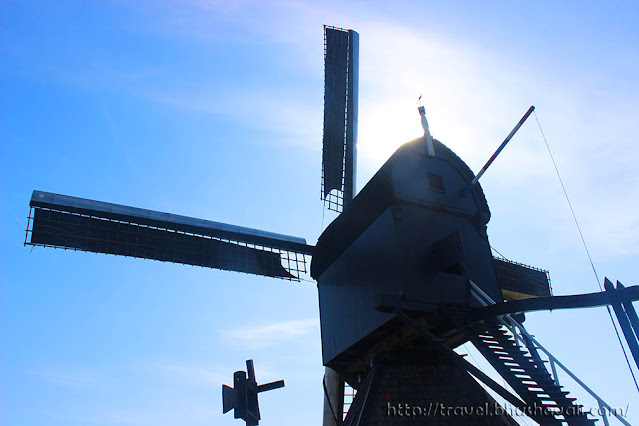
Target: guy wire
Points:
(581, 235)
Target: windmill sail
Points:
(94, 226)
(341, 73)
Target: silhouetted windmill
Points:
(405, 273)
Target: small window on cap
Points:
(436, 182)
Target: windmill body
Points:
(409, 234)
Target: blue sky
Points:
(214, 110)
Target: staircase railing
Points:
(513, 325)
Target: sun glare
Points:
(453, 90)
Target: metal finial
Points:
(429, 139)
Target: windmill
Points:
(404, 286)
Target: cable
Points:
(569, 203)
(471, 355)
(581, 235)
(497, 251)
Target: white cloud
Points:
(271, 334)
(70, 379)
(191, 373)
(294, 117)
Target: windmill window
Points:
(436, 182)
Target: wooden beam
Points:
(588, 300)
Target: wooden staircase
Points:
(525, 372)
